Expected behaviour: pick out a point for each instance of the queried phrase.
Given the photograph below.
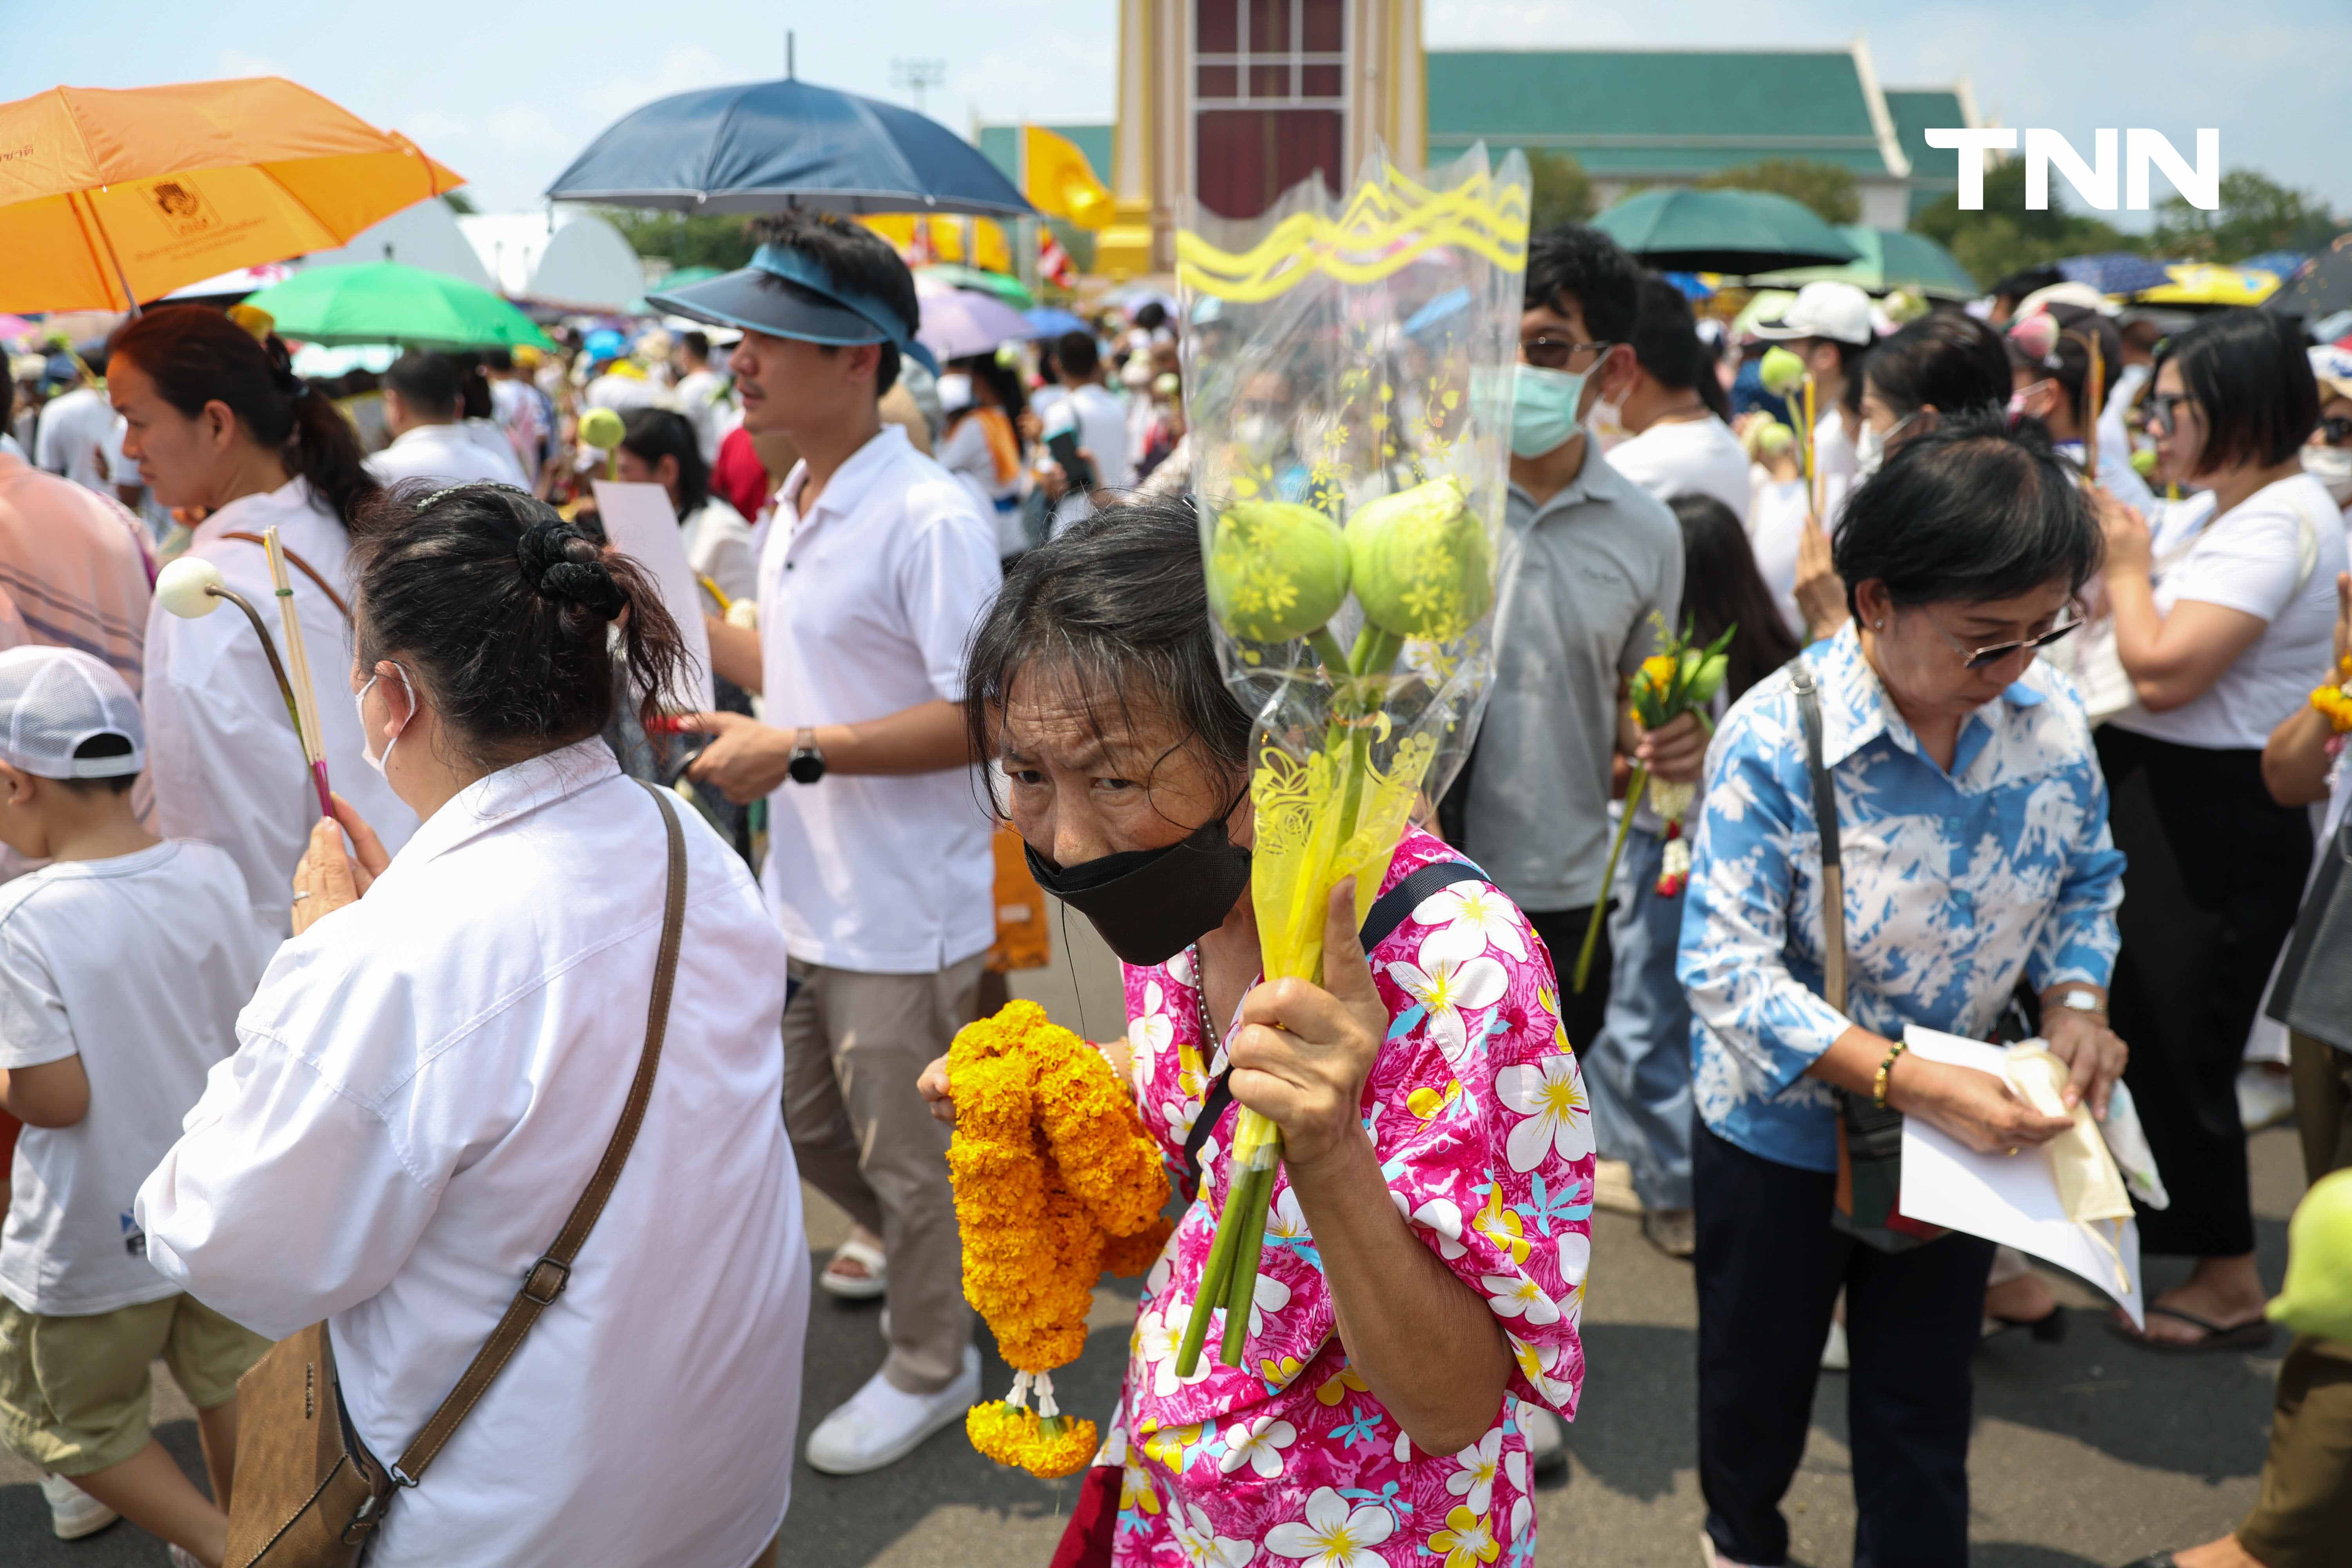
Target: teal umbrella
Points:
(386, 302)
(1005, 288)
(1739, 232)
(1891, 259)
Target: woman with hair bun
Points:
(433, 1067)
(222, 428)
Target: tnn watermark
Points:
(2095, 182)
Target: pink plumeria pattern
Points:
(1477, 1112)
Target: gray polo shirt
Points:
(1595, 562)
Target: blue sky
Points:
(506, 93)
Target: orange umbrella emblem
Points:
(110, 197)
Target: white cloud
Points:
(427, 126)
(236, 62)
(519, 128)
(681, 69)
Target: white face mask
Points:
(359, 706)
(2332, 466)
(1870, 447)
(1261, 435)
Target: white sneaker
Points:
(73, 1512)
(1834, 1354)
(1546, 1438)
(879, 1426)
(2265, 1096)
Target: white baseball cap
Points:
(1824, 310)
(2331, 368)
(52, 701)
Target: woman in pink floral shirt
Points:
(1425, 1253)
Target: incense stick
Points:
(2095, 389)
(298, 670)
(1805, 451)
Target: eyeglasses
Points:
(1978, 658)
(1548, 353)
(2164, 407)
(2337, 430)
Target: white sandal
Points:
(851, 1287)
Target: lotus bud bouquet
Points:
(1677, 680)
(1348, 381)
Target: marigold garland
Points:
(2333, 701)
(1054, 1180)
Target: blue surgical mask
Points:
(1543, 409)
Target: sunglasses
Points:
(1978, 658)
(1547, 353)
(2164, 409)
(2336, 428)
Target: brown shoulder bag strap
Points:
(299, 565)
(548, 1277)
(1808, 709)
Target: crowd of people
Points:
(2017, 740)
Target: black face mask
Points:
(1150, 904)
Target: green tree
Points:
(2005, 236)
(1562, 190)
(1826, 188)
(699, 240)
(2257, 214)
(460, 203)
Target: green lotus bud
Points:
(1277, 569)
(2143, 462)
(602, 429)
(1708, 681)
(1424, 566)
(1769, 438)
(1782, 372)
(2317, 1300)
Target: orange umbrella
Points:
(109, 198)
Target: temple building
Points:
(1239, 99)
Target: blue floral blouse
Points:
(1956, 884)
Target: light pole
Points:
(916, 75)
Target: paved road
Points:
(2086, 1453)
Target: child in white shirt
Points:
(124, 963)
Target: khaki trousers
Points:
(855, 1045)
(2304, 1519)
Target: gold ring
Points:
(2012, 1152)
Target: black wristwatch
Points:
(807, 765)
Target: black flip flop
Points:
(2252, 1335)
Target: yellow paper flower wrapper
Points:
(1349, 396)
(1055, 1180)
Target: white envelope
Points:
(2012, 1200)
(641, 523)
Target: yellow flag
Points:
(1059, 182)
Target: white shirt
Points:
(1675, 458)
(449, 454)
(423, 1086)
(226, 765)
(865, 607)
(700, 396)
(1776, 526)
(76, 438)
(2275, 556)
(1834, 457)
(719, 546)
(137, 965)
(1102, 430)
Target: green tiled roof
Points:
(1657, 113)
(1935, 171)
(1000, 145)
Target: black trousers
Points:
(1768, 1268)
(1563, 932)
(2216, 870)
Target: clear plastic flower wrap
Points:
(1348, 376)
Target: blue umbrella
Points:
(1051, 323)
(2283, 263)
(763, 146)
(2114, 272)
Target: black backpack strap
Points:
(1388, 912)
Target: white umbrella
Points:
(961, 322)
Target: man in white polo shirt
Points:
(876, 565)
(424, 408)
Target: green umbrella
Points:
(1891, 258)
(1008, 288)
(1740, 232)
(383, 302)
